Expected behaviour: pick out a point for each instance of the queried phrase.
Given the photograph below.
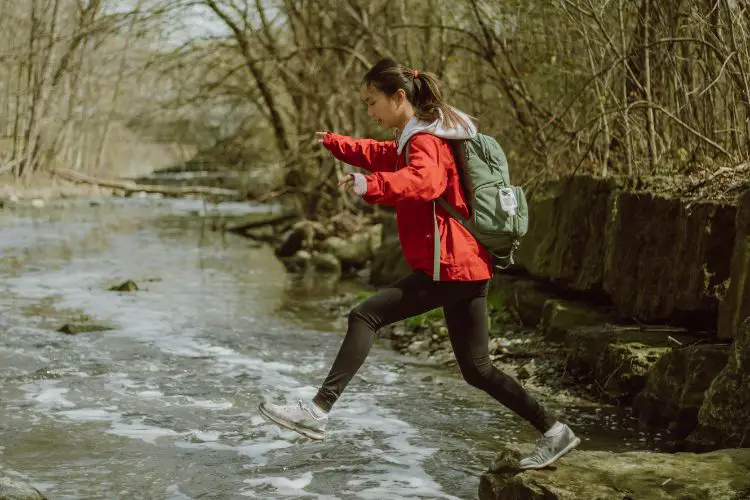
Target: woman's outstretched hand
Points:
(347, 182)
(320, 136)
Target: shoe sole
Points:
(555, 458)
(318, 436)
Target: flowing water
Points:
(164, 405)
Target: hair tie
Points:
(415, 75)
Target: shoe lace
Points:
(294, 406)
(541, 445)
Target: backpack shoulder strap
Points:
(436, 232)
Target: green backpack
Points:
(499, 212)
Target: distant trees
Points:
(626, 87)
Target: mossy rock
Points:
(559, 316)
(74, 328)
(388, 264)
(676, 386)
(638, 475)
(523, 299)
(616, 359)
(325, 263)
(724, 416)
(14, 489)
(125, 286)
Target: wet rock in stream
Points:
(635, 475)
(74, 328)
(14, 489)
(125, 286)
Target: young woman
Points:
(411, 102)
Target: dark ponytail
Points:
(422, 90)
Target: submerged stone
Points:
(125, 286)
(84, 327)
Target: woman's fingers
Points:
(320, 136)
(347, 181)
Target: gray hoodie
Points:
(465, 130)
(437, 128)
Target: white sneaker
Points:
(548, 450)
(298, 417)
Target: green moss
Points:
(497, 310)
(425, 319)
(363, 295)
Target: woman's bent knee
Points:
(360, 315)
(478, 374)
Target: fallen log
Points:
(255, 223)
(133, 187)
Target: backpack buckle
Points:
(503, 262)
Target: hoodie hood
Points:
(438, 128)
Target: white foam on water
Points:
(91, 414)
(256, 452)
(209, 405)
(153, 394)
(47, 394)
(207, 436)
(173, 493)
(285, 486)
(399, 469)
(138, 430)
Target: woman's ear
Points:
(400, 97)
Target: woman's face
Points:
(382, 108)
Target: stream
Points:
(164, 404)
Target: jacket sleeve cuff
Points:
(360, 184)
(329, 140)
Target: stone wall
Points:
(658, 259)
(566, 238)
(736, 304)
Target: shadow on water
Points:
(164, 405)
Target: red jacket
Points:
(410, 189)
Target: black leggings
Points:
(465, 306)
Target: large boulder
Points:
(352, 252)
(566, 237)
(724, 417)
(559, 316)
(666, 257)
(615, 359)
(736, 303)
(522, 298)
(598, 475)
(14, 489)
(388, 264)
(676, 386)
